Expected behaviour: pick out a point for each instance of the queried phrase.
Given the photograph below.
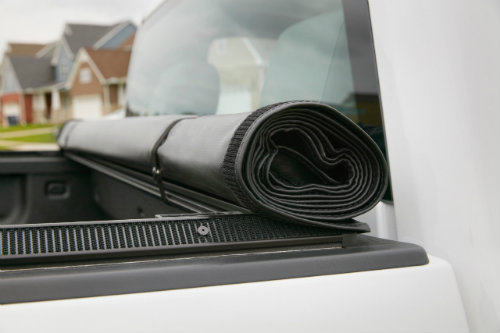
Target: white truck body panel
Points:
(439, 72)
(413, 299)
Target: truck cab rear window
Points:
(230, 56)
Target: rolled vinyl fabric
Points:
(128, 141)
(298, 161)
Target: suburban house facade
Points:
(35, 87)
(97, 82)
(14, 100)
(18, 49)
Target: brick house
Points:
(97, 82)
(22, 75)
(34, 85)
(17, 75)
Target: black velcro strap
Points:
(155, 161)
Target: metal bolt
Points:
(203, 231)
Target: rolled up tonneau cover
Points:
(298, 161)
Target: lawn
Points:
(41, 138)
(24, 127)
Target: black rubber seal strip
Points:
(167, 234)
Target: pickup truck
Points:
(422, 79)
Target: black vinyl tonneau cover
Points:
(301, 161)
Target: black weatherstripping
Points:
(168, 234)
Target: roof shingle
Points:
(111, 63)
(32, 72)
(24, 49)
(84, 35)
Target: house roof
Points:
(111, 63)
(31, 72)
(23, 49)
(82, 35)
(47, 51)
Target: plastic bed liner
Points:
(298, 161)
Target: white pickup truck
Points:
(422, 78)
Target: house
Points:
(18, 49)
(46, 98)
(97, 82)
(128, 43)
(13, 98)
(74, 37)
(22, 72)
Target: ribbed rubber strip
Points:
(165, 235)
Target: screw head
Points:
(202, 230)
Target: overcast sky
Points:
(42, 21)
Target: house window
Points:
(85, 76)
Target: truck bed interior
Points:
(46, 197)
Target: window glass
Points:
(229, 56)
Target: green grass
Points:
(24, 127)
(41, 138)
